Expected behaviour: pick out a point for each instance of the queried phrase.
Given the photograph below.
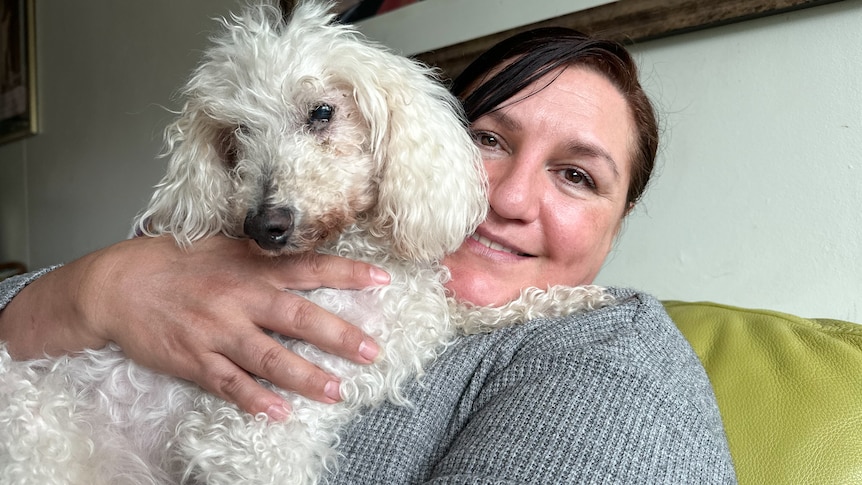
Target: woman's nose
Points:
(515, 189)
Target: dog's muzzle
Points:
(270, 227)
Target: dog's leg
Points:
(43, 438)
(220, 445)
(87, 420)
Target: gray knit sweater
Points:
(612, 396)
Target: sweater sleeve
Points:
(12, 286)
(633, 406)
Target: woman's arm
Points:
(197, 314)
(556, 424)
(612, 396)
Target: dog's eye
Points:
(244, 129)
(320, 114)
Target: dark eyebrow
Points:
(575, 147)
(508, 122)
(593, 151)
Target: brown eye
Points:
(486, 139)
(577, 177)
(573, 176)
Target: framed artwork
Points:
(627, 21)
(17, 69)
(352, 11)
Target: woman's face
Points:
(559, 164)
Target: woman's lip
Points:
(484, 241)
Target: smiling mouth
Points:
(497, 247)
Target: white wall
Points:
(756, 202)
(759, 197)
(429, 25)
(106, 72)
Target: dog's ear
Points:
(432, 192)
(192, 200)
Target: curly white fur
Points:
(304, 136)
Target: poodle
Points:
(301, 135)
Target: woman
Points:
(615, 395)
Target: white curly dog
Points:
(301, 135)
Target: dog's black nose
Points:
(269, 227)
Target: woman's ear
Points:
(629, 208)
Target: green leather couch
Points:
(789, 390)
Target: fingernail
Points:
(368, 349)
(277, 412)
(333, 390)
(379, 276)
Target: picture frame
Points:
(626, 21)
(18, 115)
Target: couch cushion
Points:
(789, 390)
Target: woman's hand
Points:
(196, 314)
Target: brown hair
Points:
(530, 55)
